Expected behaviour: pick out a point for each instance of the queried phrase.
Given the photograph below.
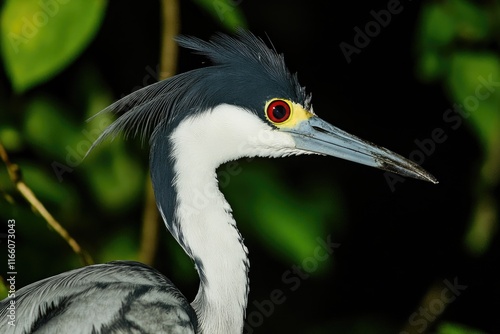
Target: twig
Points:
(150, 227)
(168, 64)
(170, 29)
(16, 177)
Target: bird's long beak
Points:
(317, 136)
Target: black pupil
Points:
(279, 111)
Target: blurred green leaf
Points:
(97, 96)
(45, 186)
(454, 328)
(290, 223)
(432, 65)
(441, 25)
(114, 176)
(10, 138)
(226, 12)
(116, 179)
(437, 30)
(442, 22)
(123, 245)
(3, 290)
(32, 29)
(438, 24)
(471, 21)
(482, 231)
(48, 128)
(474, 82)
(453, 47)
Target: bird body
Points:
(247, 104)
(116, 297)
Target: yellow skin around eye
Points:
(297, 115)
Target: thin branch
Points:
(170, 29)
(168, 63)
(16, 177)
(434, 294)
(150, 227)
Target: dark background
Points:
(394, 245)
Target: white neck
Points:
(210, 233)
(204, 224)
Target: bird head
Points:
(246, 103)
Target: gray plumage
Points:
(117, 297)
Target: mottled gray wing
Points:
(117, 297)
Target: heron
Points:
(245, 104)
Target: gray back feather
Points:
(117, 297)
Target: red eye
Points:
(278, 111)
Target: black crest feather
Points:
(245, 72)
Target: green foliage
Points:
(289, 221)
(59, 194)
(31, 30)
(468, 72)
(225, 12)
(43, 110)
(454, 328)
(4, 290)
(116, 178)
(122, 245)
(10, 137)
(441, 25)
(452, 49)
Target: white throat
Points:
(205, 224)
